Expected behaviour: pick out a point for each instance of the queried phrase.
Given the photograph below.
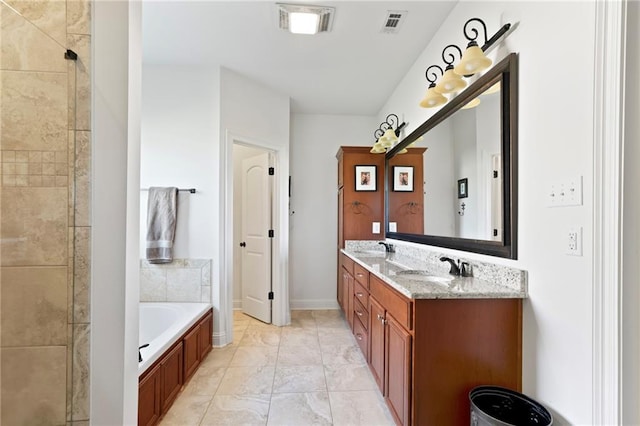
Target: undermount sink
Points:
(419, 275)
(374, 253)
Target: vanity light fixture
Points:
(433, 98)
(450, 81)
(305, 19)
(474, 60)
(386, 136)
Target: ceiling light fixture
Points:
(305, 19)
(386, 136)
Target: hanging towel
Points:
(161, 224)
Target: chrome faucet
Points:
(455, 268)
(388, 247)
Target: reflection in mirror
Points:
(463, 163)
(464, 146)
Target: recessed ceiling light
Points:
(305, 19)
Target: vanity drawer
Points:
(362, 294)
(362, 337)
(361, 275)
(397, 305)
(361, 313)
(347, 262)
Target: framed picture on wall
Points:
(403, 178)
(463, 188)
(366, 178)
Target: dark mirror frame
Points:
(507, 72)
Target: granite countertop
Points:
(429, 282)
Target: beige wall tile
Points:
(80, 83)
(83, 178)
(34, 306)
(34, 110)
(25, 47)
(183, 285)
(33, 385)
(82, 275)
(80, 404)
(34, 222)
(79, 17)
(49, 16)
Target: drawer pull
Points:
(359, 313)
(360, 275)
(359, 336)
(359, 294)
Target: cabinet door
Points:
(206, 335)
(376, 342)
(149, 398)
(341, 279)
(349, 300)
(172, 376)
(191, 352)
(398, 370)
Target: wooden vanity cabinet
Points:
(391, 345)
(427, 354)
(159, 386)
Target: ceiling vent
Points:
(321, 18)
(393, 21)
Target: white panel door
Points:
(256, 244)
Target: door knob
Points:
(243, 244)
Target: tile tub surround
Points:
(488, 281)
(183, 280)
(45, 224)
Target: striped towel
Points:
(162, 209)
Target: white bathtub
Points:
(162, 324)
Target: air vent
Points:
(324, 14)
(394, 21)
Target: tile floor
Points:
(309, 373)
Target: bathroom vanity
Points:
(428, 337)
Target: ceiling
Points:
(350, 70)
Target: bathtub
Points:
(162, 324)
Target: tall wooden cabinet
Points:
(357, 210)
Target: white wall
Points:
(631, 240)
(180, 110)
(240, 152)
(116, 56)
(254, 114)
(555, 141)
(315, 140)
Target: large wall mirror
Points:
(455, 184)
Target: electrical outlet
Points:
(574, 241)
(375, 228)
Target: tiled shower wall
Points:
(45, 148)
(183, 280)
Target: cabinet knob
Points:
(381, 318)
(359, 336)
(359, 313)
(359, 294)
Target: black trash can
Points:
(496, 406)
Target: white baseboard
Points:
(314, 304)
(237, 304)
(220, 339)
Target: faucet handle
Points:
(466, 269)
